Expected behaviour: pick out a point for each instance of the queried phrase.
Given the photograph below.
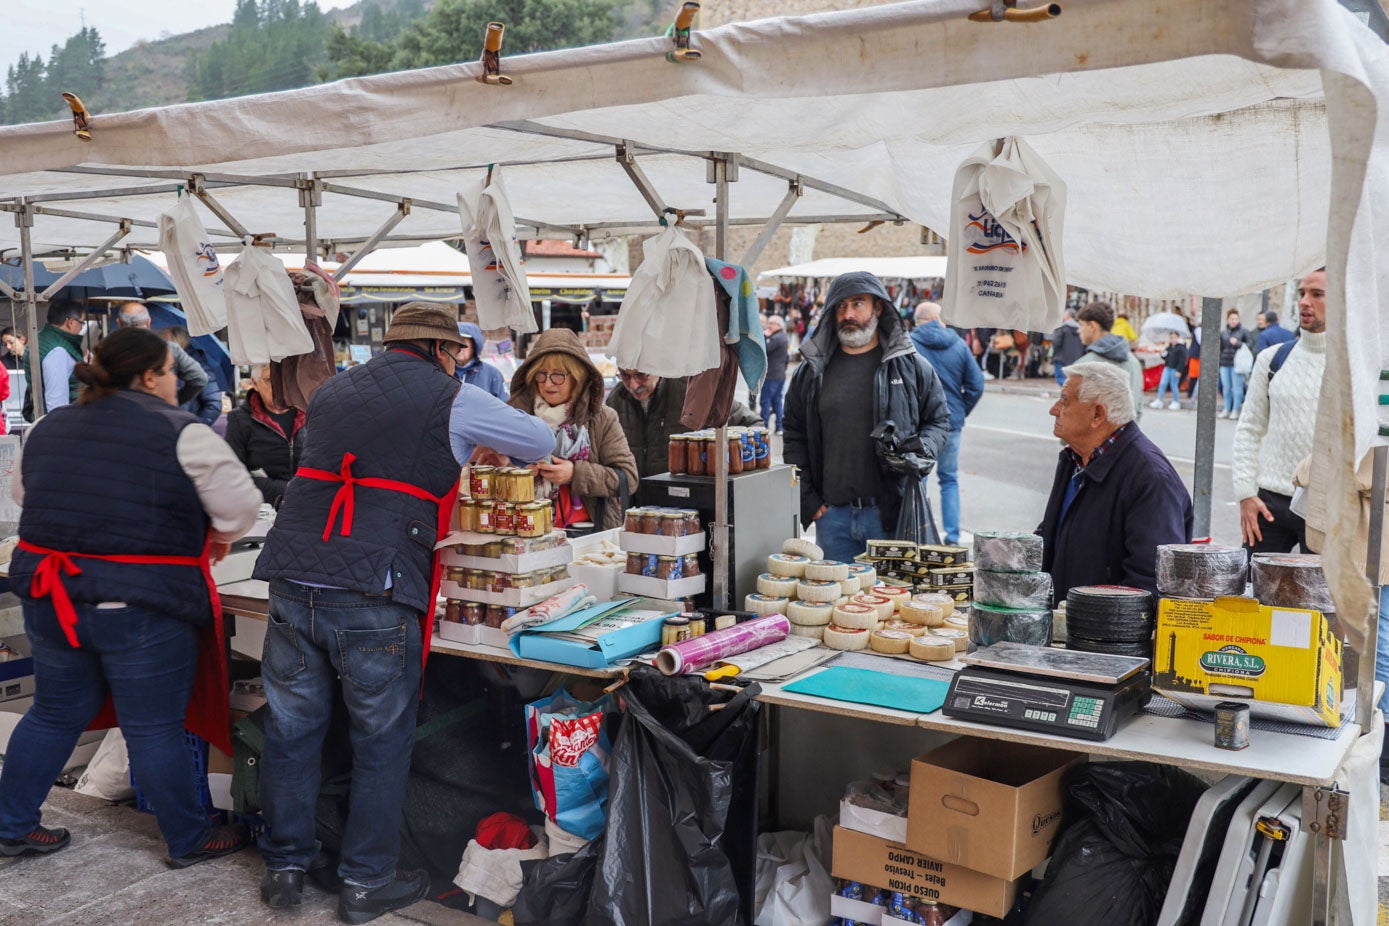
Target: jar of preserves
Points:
(530, 519)
(692, 525)
(749, 449)
(454, 574)
(485, 524)
(525, 484)
(696, 454)
(762, 448)
(650, 565)
(669, 567)
(467, 515)
(735, 454)
(672, 524)
(480, 481)
(491, 549)
(677, 454)
(691, 565)
(547, 516)
(474, 613)
(633, 522)
(528, 579)
(636, 563)
(503, 516)
(496, 614)
(453, 611)
(497, 581)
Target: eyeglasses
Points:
(557, 378)
(633, 375)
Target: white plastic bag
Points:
(668, 324)
(500, 290)
(793, 879)
(1244, 360)
(108, 774)
(1004, 243)
(193, 267)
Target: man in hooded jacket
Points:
(1066, 346)
(860, 370)
(472, 370)
(1102, 345)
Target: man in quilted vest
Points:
(353, 581)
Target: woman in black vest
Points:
(123, 497)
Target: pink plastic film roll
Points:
(697, 653)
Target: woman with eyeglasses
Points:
(127, 499)
(592, 472)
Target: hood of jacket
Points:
(891, 335)
(1114, 347)
(933, 336)
(473, 333)
(564, 341)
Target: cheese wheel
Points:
(810, 613)
(812, 590)
(881, 602)
(906, 626)
(958, 621)
(762, 605)
(776, 586)
(849, 586)
(944, 602)
(799, 546)
(932, 648)
(891, 642)
(826, 569)
(804, 630)
(894, 593)
(867, 575)
(856, 616)
(919, 612)
(845, 639)
(787, 564)
(959, 637)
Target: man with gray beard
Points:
(860, 371)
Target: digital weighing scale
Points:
(1084, 695)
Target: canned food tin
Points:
(1231, 725)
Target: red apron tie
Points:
(344, 498)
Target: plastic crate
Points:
(197, 748)
(255, 822)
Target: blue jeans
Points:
(1382, 650)
(843, 531)
(1059, 372)
(146, 661)
(947, 469)
(313, 637)
(770, 402)
(1232, 388)
(1171, 379)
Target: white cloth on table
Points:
(496, 873)
(193, 267)
(500, 289)
(668, 324)
(264, 322)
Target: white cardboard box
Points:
(664, 546)
(473, 634)
(510, 597)
(666, 589)
(601, 580)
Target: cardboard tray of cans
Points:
(508, 597)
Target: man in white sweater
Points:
(1274, 433)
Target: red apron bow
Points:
(344, 499)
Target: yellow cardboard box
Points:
(1284, 662)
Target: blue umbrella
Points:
(138, 278)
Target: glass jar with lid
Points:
(480, 481)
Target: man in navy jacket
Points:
(1115, 497)
(963, 382)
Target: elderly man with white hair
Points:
(1115, 497)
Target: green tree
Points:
(79, 65)
(26, 91)
(272, 45)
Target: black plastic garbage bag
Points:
(681, 841)
(1124, 826)
(556, 891)
(915, 522)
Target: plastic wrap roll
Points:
(989, 625)
(697, 653)
(1001, 551)
(1200, 570)
(1030, 591)
(1109, 613)
(1290, 580)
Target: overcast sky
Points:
(35, 26)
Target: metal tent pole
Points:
(24, 218)
(1205, 416)
(1365, 684)
(310, 198)
(720, 175)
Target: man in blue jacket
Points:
(1115, 497)
(1270, 332)
(859, 371)
(963, 382)
(471, 368)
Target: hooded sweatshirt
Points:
(1066, 345)
(1113, 348)
(475, 371)
(596, 479)
(906, 390)
(960, 376)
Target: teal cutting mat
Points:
(865, 686)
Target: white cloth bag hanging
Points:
(668, 324)
(264, 323)
(193, 267)
(500, 290)
(1005, 268)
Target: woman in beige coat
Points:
(592, 472)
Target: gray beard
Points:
(861, 337)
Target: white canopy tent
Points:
(1212, 148)
(918, 267)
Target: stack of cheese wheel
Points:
(769, 583)
(894, 593)
(818, 590)
(852, 616)
(922, 613)
(826, 570)
(881, 602)
(802, 547)
(845, 638)
(801, 584)
(763, 605)
(809, 618)
(945, 603)
(787, 564)
(931, 647)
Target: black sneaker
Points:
(362, 905)
(220, 841)
(282, 889)
(39, 842)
